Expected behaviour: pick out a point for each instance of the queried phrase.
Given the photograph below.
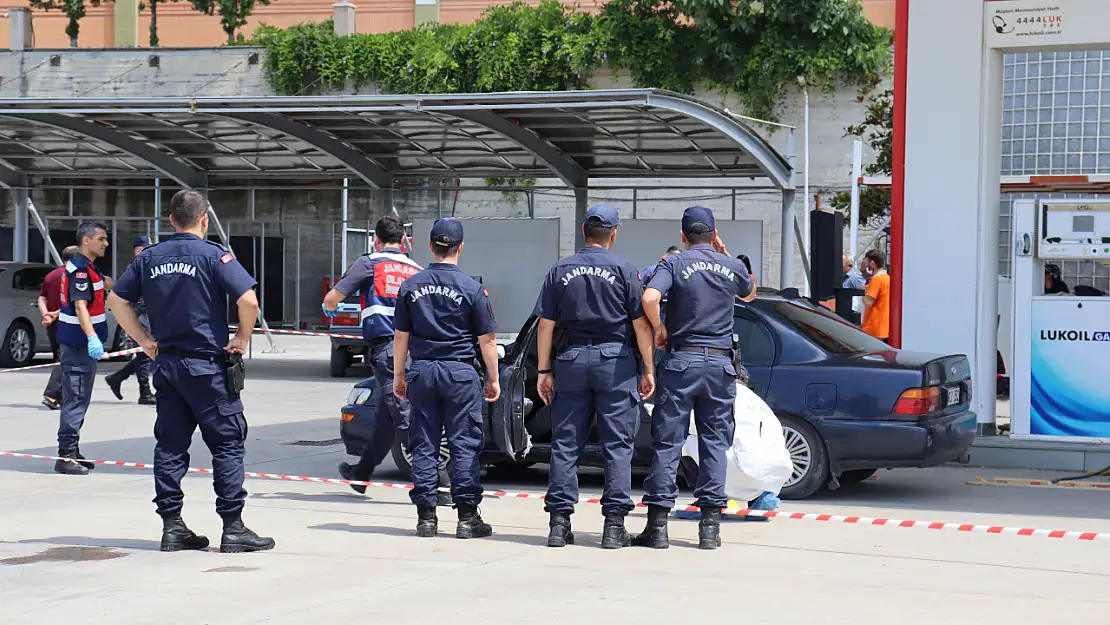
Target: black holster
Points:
(236, 374)
(560, 339)
(741, 373)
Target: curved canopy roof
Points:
(575, 136)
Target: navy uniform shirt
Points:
(701, 286)
(445, 311)
(593, 294)
(186, 283)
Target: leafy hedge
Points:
(755, 50)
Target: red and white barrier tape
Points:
(798, 516)
(133, 350)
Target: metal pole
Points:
(47, 240)
(857, 171)
(343, 243)
(157, 209)
(250, 201)
(331, 278)
(805, 256)
(71, 201)
(581, 200)
(262, 271)
(297, 284)
(805, 204)
(734, 203)
(115, 241)
(19, 239)
(786, 238)
(635, 198)
(214, 219)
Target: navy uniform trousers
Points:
(392, 417)
(78, 375)
(192, 392)
(601, 378)
(141, 364)
(446, 395)
(704, 383)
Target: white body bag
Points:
(757, 461)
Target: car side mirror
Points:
(500, 351)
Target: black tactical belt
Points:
(705, 350)
(189, 353)
(463, 360)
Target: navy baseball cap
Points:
(140, 242)
(698, 219)
(602, 215)
(447, 231)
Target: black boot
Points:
(709, 529)
(238, 538)
(560, 534)
(69, 467)
(88, 465)
(114, 381)
(349, 472)
(427, 524)
(655, 533)
(613, 534)
(176, 536)
(470, 523)
(146, 398)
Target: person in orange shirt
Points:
(876, 316)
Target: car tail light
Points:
(967, 385)
(346, 416)
(918, 401)
(345, 320)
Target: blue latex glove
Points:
(329, 313)
(96, 348)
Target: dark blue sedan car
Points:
(849, 404)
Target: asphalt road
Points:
(84, 549)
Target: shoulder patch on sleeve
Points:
(486, 292)
(227, 258)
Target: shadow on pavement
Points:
(88, 541)
(326, 498)
(446, 530)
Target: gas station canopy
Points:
(575, 136)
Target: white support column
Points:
(581, 203)
(22, 200)
(990, 174)
(1028, 280)
(343, 18)
(346, 207)
(853, 224)
(786, 240)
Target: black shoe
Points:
(114, 383)
(147, 399)
(176, 536)
(347, 471)
(238, 538)
(427, 525)
(69, 467)
(559, 534)
(51, 403)
(470, 523)
(88, 465)
(613, 534)
(444, 499)
(709, 528)
(655, 533)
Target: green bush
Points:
(753, 50)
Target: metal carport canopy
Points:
(571, 135)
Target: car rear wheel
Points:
(19, 345)
(808, 455)
(402, 457)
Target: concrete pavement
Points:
(84, 549)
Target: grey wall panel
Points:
(511, 255)
(643, 241)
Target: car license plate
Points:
(953, 396)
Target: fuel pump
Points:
(1061, 335)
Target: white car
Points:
(20, 321)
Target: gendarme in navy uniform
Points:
(443, 318)
(186, 283)
(594, 297)
(377, 278)
(697, 374)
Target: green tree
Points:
(153, 5)
(233, 13)
(75, 10)
(878, 128)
